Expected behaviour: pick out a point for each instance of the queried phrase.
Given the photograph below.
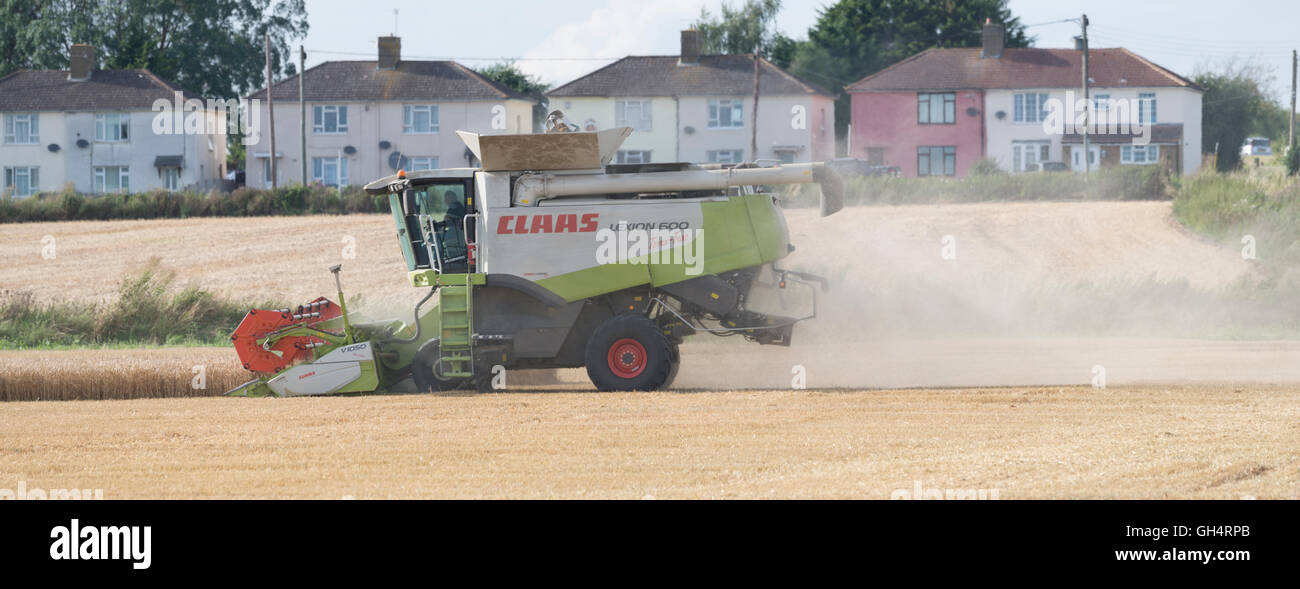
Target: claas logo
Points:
(566, 223)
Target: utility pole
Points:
(753, 124)
(1290, 137)
(270, 108)
(302, 114)
(1087, 102)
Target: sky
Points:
(563, 39)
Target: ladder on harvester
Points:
(455, 317)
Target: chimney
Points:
(390, 52)
(82, 62)
(690, 47)
(995, 39)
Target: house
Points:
(698, 108)
(368, 119)
(941, 110)
(94, 129)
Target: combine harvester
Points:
(548, 256)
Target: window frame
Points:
(645, 111)
(430, 163)
(736, 106)
(33, 122)
(947, 153)
(318, 120)
(1145, 115)
(10, 180)
(318, 166)
(643, 155)
(121, 124)
(408, 119)
(1150, 154)
(925, 104)
(100, 176)
(1020, 107)
(737, 155)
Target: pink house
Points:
(940, 111)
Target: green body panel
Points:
(432, 277)
(742, 232)
(367, 382)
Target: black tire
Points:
(422, 372)
(629, 353)
(672, 373)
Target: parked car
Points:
(1054, 167)
(1253, 146)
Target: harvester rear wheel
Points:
(426, 378)
(629, 353)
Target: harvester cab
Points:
(549, 256)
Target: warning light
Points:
(401, 174)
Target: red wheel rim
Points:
(627, 358)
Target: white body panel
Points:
(327, 375)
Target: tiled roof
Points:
(46, 90)
(412, 80)
(662, 75)
(962, 69)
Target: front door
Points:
(1076, 157)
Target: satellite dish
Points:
(349, 150)
(82, 143)
(688, 130)
(397, 161)
(385, 145)
(53, 147)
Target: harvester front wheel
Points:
(629, 353)
(425, 375)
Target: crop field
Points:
(1200, 400)
(1222, 442)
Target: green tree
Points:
(856, 38)
(509, 75)
(740, 30)
(1236, 105)
(213, 48)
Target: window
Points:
(329, 120)
(936, 109)
(634, 113)
(422, 163)
(418, 119)
(726, 114)
(171, 178)
(112, 127)
(1139, 154)
(1030, 107)
(1029, 155)
(936, 161)
(1147, 107)
(266, 172)
(112, 179)
(1101, 102)
(632, 156)
(22, 129)
(726, 156)
(876, 156)
(786, 157)
(330, 171)
(22, 181)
